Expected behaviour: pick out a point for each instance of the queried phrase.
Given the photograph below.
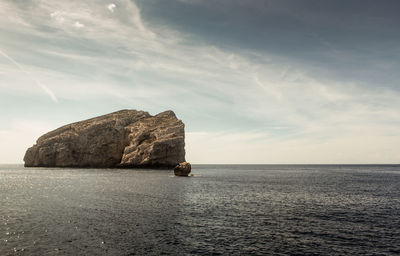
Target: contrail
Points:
(38, 83)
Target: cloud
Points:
(135, 16)
(37, 82)
(111, 7)
(57, 16)
(77, 24)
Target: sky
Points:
(255, 82)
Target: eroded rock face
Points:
(127, 138)
(182, 169)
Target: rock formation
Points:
(127, 138)
(182, 169)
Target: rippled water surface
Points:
(222, 210)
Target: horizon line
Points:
(257, 164)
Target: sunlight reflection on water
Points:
(220, 210)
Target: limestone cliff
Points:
(127, 138)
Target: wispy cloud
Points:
(57, 16)
(37, 82)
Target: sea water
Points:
(221, 210)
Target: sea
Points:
(220, 210)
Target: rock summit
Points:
(126, 138)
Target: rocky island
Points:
(126, 138)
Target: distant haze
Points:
(254, 81)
